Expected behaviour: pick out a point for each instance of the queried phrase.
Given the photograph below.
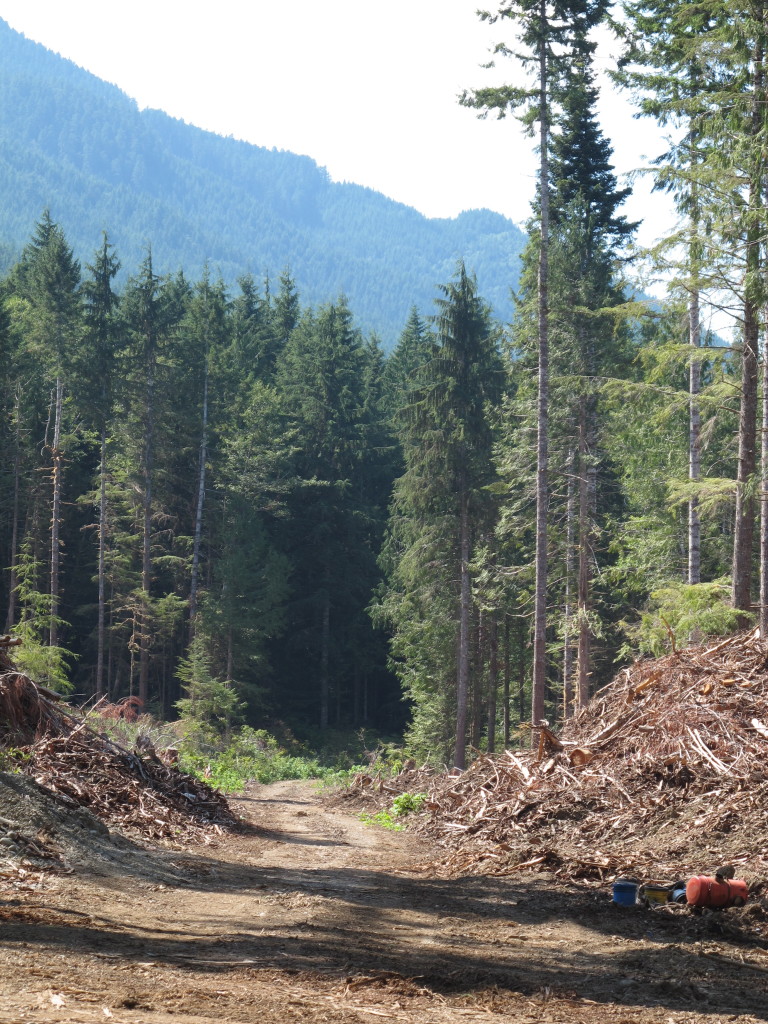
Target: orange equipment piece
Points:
(705, 891)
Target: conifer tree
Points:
(554, 34)
(285, 312)
(321, 380)
(413, 349)
(702, 67)
(588, 233)
(204, 329)
(49, 276)
(153, 306)
(438, 506)
(102, 340)
(254, 342)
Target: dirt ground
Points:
(309, 915)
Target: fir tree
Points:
(438, 507)
(102, 341)
(49, 276)
(554, 35)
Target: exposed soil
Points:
(307, 914)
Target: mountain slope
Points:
(81, 147)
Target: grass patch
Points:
(253, 755)
(383, 819)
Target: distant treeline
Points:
(81, 148)
(207, 487)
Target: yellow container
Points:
(655, 893)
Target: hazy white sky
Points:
(366, 89)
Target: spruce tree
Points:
(49, 277)
(103, 338)
(588, 234)
(324, 379)
(437, 513)
(153, 306)
(553, 35)
(205, 331)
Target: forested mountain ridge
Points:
(81, 147)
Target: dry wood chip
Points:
(88, 769)
(666, 771)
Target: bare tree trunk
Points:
(585, 561)
(56, 456)
(507, 679)
(493, 678)
(146, 554)
(745, 503)
(132, 666)
(465, 612)
(764, 497)
(521, 667)
(542, 443)
(199, 510)
(476, 679)
(570, 566)
(694, 463)
(112, 688)
(102, 572)
(14, 581)
(325, 640)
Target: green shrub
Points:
(680, 613)
(227, 763)
(405, 803)
(11, 759)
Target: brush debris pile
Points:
(665, 772)
(129, 789)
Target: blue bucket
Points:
(624, 892)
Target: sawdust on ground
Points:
(307, 914)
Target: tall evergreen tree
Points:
(102, 340)
(49, 276)
(244, 610)
(588, 234)
(413, 349)
(554, 34)
(438, 507)
(152, 309)
(205, 330)
(702, 67)
(254, 342)
(321, 380)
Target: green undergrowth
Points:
(12, 758)
(257, 758)
(402, 805)
(254, 755)
(230, 762)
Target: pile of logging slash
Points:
(663, 773)
(134, 790)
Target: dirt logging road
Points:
(307, 914)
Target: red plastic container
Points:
(704, 891)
